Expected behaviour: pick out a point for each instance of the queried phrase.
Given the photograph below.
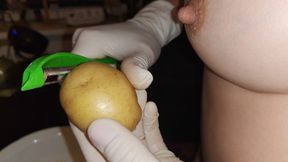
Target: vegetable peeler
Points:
(49, 68)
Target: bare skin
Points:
(245, 96)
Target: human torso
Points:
(239, 125)
(245, 93)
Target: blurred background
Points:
(33, 28)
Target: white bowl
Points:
(56, 144)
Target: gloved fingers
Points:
(117, 143)
(76, 35)
(88, 48)
(135, 68)
(142, 99)
(90, 153)
(106, 40)
(91, 43)
(151, 128)
(153, 135)
(121, 41)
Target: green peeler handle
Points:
(33, 76)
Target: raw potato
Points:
(95, 90)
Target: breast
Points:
(245, 42)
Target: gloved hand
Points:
(137, 42)
(90, 153)
(118, 144)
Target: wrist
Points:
(157, 18)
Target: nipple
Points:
(199, 11)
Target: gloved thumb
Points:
(135, 68)
(153, 135)
(116, 143)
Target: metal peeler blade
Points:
(48, 69)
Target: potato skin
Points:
(95, 90)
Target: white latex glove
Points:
(119, 145)
(137, 42)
